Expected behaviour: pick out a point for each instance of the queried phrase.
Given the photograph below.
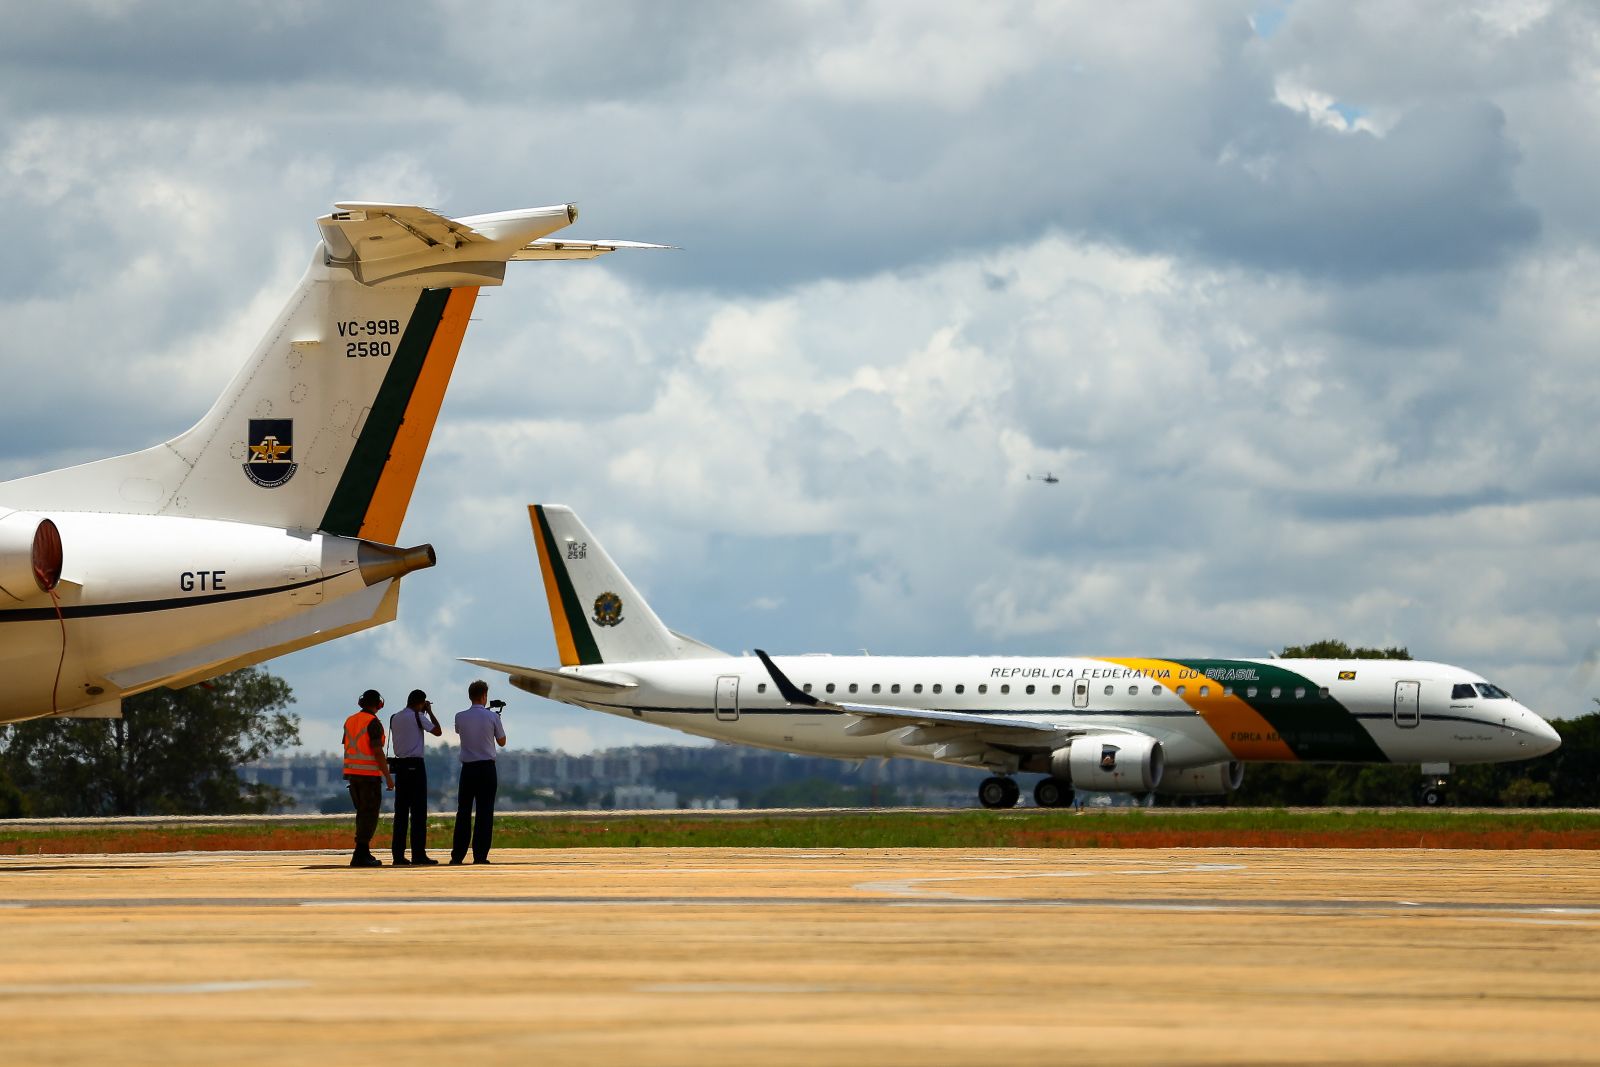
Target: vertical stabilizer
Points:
(326, 424)
(598, 616)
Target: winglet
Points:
(792, 693)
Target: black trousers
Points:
(479, 783)
(366, 792)
(410, 806)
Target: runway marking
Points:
(146, 988)
(747, 987)
(1281, 906)
(911, 887)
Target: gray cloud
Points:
(1303, 322)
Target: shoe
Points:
(401, 861)
(476, 862)
(455, 862)
(424, 861)
(365, 859)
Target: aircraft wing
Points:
(554, 684)
(561, 248)
(1024, 730)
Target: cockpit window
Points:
(1493, 692)
(1463, 691)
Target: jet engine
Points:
(30, 554)
(1211, 780)
(1110, 763)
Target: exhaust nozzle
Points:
(379, 563)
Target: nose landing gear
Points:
(997, 792)
(1435, 784)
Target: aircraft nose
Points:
(1543, 736)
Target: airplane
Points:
(1118, 724)
(270, 525)
(1047, 478)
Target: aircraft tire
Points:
(997, 792)
(1051, 793)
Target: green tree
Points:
(1329, 648)
(173, 752)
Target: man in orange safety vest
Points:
(364, 764)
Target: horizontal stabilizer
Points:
(543, 680)
(562, 248)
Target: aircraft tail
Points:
(597, 614)
(326, 425)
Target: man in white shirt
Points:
(407, 729)
(481, 733)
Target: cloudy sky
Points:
(1300, 300)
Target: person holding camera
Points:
(408, 728)
(364, 764)
(481, 733)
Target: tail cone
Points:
(379, 563)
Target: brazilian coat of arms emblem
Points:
(608, 609)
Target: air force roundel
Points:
(271, 444)
(608, 609)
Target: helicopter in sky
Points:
(1047, 478)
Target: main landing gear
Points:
(1052, 793)
(997, 792)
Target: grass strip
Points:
(963, 829)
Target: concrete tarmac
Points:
(743, 956)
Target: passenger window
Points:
(917, 688)
(937, 688)
(983, 688)
(961, 689)
(1109, 690)
(808, 687)
(1055, 690)
(1205, 690)
(761, 687)
(876, 688)
(1276, 692)
(1323, 692)
(1299, 692)
(830, 687)
(1155, 690)
(1133, 690)
(1030, 690)
(1005, 689)
(1227, 690)
(1182, 689)
(895, 688)
(854, 687)
(1250, 692)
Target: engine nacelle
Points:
(1110, 763)
(1212, 780)
(30, 554)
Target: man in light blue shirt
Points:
(481, 734)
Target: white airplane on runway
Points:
(1107, 724)
(268, 527)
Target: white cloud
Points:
(1304, 323)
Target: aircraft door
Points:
(728, 698)
(1080, 693)
(1407, 704)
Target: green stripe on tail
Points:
(347, 510)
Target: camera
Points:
(497, 704)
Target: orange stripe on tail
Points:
(387, 509)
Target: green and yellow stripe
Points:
(373, 492)
(574, 641)
(1259, 726)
